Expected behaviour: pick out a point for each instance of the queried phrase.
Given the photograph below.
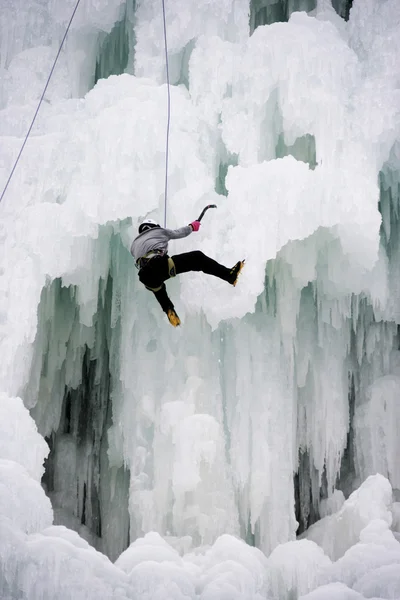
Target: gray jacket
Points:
(156, 238)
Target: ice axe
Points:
(205, 209)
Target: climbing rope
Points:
(168, 118)
(40, 102)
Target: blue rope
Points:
(168, 120)
(40, 102)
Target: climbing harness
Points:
(143, 260)
(171, 273)
(168, 118)
(171, 267)
(40, 101)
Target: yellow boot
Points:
(173, 317)
(235, 272)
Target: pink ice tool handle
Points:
(195, 225)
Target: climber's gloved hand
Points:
(195, 225)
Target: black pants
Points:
(156, 271)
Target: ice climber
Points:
(150, 250)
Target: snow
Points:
(333, 591)
(338, 532)
(57, 563)
(17, 433)
(22, 499)
(172, 453)
(296, 568)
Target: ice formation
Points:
(138, 461)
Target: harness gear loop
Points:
(157, 289)
(143, 260)
(171, 267)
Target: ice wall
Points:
(271, 394)
(265, 12)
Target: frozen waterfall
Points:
(251, 454)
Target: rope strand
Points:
(40, 102)
(168, 119)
